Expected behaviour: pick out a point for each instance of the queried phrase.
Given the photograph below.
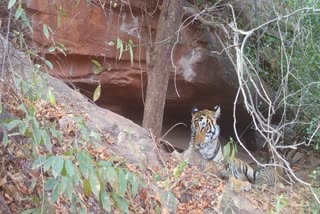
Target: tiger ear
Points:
(194, 110)
(217, 111)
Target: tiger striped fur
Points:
(205, 138)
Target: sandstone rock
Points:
(201, 79)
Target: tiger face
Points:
(204, 127)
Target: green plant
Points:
(66, 166)
(75, 167)
(92, 177)
(20, 13)
(230, 149)
(124, 47)
(281, 203)
(286, 55)
(179, 169)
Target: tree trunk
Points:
(160, 65)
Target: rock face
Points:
(88, 31)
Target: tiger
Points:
(205, 138)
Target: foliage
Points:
(315, 178)
(281, 204)
(97, 93)
(289, 57)
(121, 47)
(20, 13)
(230, 149)
(69, 170)
(179, 169)
(74, 167)
(67, 167)
(99, 68)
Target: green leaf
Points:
(122, 183)
(169, 198)
(142, 183)
(83, 164)
(104, 163)
(57, 167)
(39, 161)
(63, 12)
(95, 184)
(106, 201)
(226, 150)
(69, 167)
(98, 66)
(50, 184)
(120, 46)
(46, 140)
(36, 134)
(45, 31)
(5, 139)
(179, 169)
(120, 202)
(234, 150)
(130, 46)
(13, 124)
(96, 63)
(55, 194)
(55, 133)
(102, 174)
(51, 49)
(112, 176)
(98, 70)
(49, 163)
(157, 177)
(63, 185)
(60, 47)
(86, 187)
(69, 191)
(64, 171)
(134, 185)
(32, 113)
(23, 128)
(25, 20)
(11, 3)
(51, 98)
(69, 152)
(18, 13)
(97, 92)
(49, 64)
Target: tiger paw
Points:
(238, 185)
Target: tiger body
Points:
(205, 138)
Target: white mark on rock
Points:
(185, 65)
(132, 27)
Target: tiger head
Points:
(204, 126)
